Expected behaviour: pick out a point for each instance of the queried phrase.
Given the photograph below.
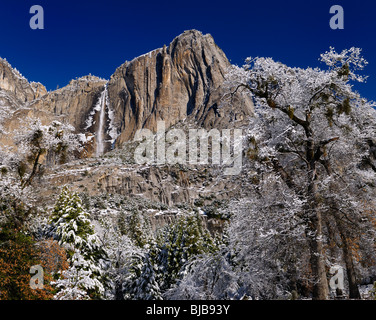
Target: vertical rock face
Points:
(172, 83)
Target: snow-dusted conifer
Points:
(176, 244)
(76, 234)
(141, 281)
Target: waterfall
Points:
(102, 121)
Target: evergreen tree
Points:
(80, 281)
(136, 226)
(75, 232)
(120, 249)
(141, 283)
(176, 244)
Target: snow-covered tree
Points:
(141, 282)
(268, 235)
(36, 142)
(80, 281)
(120, 251)
(76, 234)
(176, 244)
(136, 225)
(261, 257)
(20, 164)
(147, 272)
(210, 276)
(312, 132)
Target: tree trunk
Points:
(350, 270)
(320, 288)
(347, 254)
(28, 181)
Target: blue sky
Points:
(82, 36)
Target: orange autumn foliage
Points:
(354, 242)
(52, 256)
(17, 256)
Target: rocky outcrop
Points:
(12, 82)
(162, 192)
(73, 102)
(181, 83)
(172, 83)
(16, 93)
(20, 99)
(169, 185)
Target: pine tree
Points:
(75, 232)
(80, 281)
(141, 283)
(177, 244)
(136, 226)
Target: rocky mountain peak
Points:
(170, 83)
(14, 83)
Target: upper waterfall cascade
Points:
(100, 135)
